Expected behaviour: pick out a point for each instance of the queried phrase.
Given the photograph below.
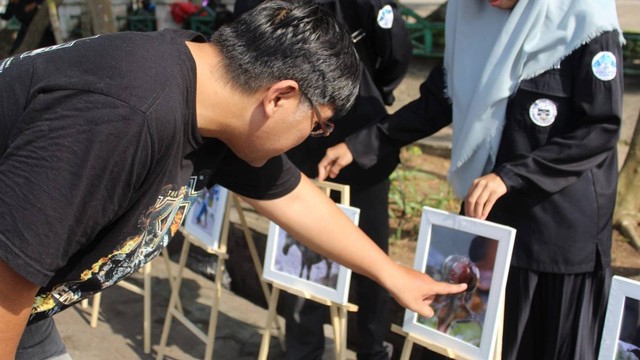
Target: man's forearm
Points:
(314, 219)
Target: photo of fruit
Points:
(454, 248)
(459, 257)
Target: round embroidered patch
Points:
(604, 65)
(385, 17)
(543, 112)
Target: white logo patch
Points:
(385, 17)
(543, 112)
(604, 66)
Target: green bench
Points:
(138, 20)
(631, 53)
(427, 37)
(13, 24)
(203, 21)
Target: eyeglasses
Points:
(321, 128)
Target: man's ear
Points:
(279, 95)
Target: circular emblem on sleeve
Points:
(385, 17)
(604, 65)
(543, 112)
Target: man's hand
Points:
(336, 158)
(416, 291)
(483, 194)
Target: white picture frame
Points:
(450, 248)
(621, 331)
(284, 264)
(204, 220)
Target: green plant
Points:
(404, 205)
(412, 188)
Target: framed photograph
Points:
(288, 262)
(455, 248)
(204, 219)
(621, 332)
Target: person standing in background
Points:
(24, 11)
(384, 48)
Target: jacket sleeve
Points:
(420, 118)
(597, 107)
(388, 36)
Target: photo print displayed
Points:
(457, 249)
(205, 218)
(621, 333)
(290, 263)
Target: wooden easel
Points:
(338, 311)
(48, 14)
(174, 310)
(144, 291)
(411, 339)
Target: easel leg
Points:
(256, 263)
(175, 294)
(339, 322)
(95, 309)
(266, 335)
(343, 332)
(215, 303)
(167, 264)
(146, 326)
(335, 324)
(406, 349)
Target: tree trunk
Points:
(627, 213)
(101, 15)
(53, 5)
(39, 24)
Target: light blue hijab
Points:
(489, 51)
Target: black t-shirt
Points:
(101, 158)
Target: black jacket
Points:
(386, 55)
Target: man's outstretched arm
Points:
(16, 298)
(312, 218)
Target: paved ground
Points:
(119, 332)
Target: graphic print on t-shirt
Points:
(156, 226)
(6, 62)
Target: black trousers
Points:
(305, 318)
(554, 316)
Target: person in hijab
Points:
(533, 90)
